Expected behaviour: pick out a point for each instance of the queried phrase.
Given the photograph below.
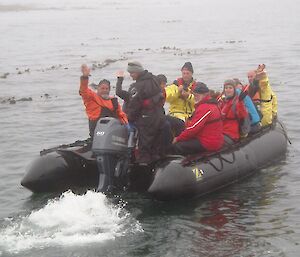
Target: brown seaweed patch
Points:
(4, 75)
(144, 49)
(234, 41)
(27, 70)
(95, 65)
(53, 67)
(10, 100)
(106, 63)
(25, 99)
(194, 51)
(46, 95)
(24, 8)
(13, 100)
(15, 8)
(171, 21)
(174, 48)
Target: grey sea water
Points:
(43, 44)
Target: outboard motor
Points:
(110, 148)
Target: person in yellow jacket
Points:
(179, 94)
(267, 98)
(268, 102)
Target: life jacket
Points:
(233, 109)
(157, 100)
(256, 99)
(106, 112)
(154, 101)
(179, 82)
(244, 92)
(245, 124)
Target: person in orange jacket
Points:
(100, 104)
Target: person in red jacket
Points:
(233, 112)
(204, 130)
(100, 104)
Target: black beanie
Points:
(162, 78)
(188, 66)
(200, 88)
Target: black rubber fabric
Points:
(187, 147)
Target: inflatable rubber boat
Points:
(107, 164)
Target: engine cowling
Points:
(110, 148)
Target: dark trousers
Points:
(167, 137)
(192, 146)
(92, 126)
(150, 137)
(177, 125)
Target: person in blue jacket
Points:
(253, 113)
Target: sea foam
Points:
(69, 220)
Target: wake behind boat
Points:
(106, 165)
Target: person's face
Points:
(163, 85)
(103, 90)
(186, 75)
(251, 76)
(229, 90)
(134, 75)
(263, 83)
(198, 97)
